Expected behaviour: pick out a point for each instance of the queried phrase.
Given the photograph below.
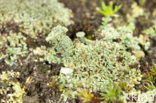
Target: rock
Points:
(66, 71)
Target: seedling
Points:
(85, 95)
(151, 31)
(113, 93)
(150, 86)
(108, 10)
(153, 71)
(142, 2)
(151, 78)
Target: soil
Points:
(86, 18)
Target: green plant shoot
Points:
(108, 10)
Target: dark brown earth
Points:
(86, 17)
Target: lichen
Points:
(61, 44)
(36, 17)
(12, 46)
(21, 20)
(96, 64)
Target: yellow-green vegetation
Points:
(85, 96)
(152, 75)
(151, 31)
(113, 92)
(153, 71)
(11, 90)
(108, 10)
(150, 86)
(142, 2)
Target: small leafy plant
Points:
(108, 10)
(151, 31)
(142, 2)
(151, 78)
(112, 93)
(150, 86)
(152, 75)
(85, 96)
(153, 71)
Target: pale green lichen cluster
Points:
(12, 46)
(95, 64)
(35, 17)
(21, 20)
(61, 44)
